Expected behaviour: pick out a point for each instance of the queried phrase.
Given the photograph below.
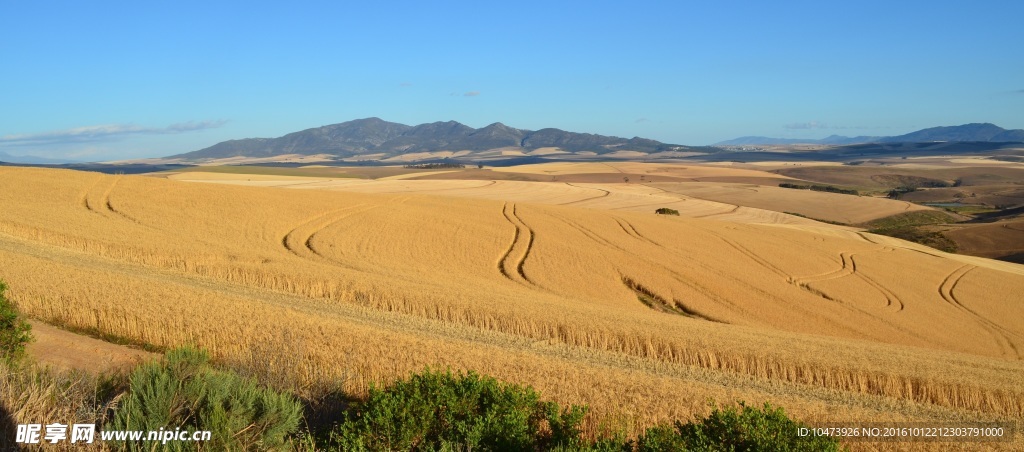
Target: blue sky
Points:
(115, 80)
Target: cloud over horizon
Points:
(472, 93)
(104, 133)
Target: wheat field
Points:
(643, 317)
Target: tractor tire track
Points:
(892, 300)
(308, 243)
(999, 333)
(631, 234)
(612, 167)
(710, 293)
(605, 194)
(298, 240)
(104, 207)
(529, 246)
(511, 246)
(867, 239)
(734, 209)
(848, 268)
(753, 256)
(631, 231)
(110, 207)
(288, 243)
(515, 271)
(84, 198)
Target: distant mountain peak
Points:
(377, 136)
(978, 131)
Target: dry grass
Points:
(370, 287)
(32, 394)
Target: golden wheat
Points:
(366, 288)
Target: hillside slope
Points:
(587, 305)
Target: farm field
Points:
(571, 286)
(1001, 239)
(731, 194)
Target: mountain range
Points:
(31, 160)
(980, 132)
(383, 139)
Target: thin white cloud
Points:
(859, 127)
(106, 132)
(806, 125)
(472, 93)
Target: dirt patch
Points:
(66, 350)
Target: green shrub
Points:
(442, 411)
(667, 211)
(659, 438)
(186, 392)
(732, 429)
(14, 331)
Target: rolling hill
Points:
(588, 305)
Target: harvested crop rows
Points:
(662, 311)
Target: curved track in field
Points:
(299, 240)
(1001, 335)
(514, 270)
(102, 204)
(604, 194)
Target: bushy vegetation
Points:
(445, 411)
(432, 410)
(742, 428)
(825, 188)
(796, 214)
(14, 331)
(900, 191)
(934, 239)
(667, 211)
(913, 227)
(436, 165)
(185, 391)
(910, 219)
(428, 411)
